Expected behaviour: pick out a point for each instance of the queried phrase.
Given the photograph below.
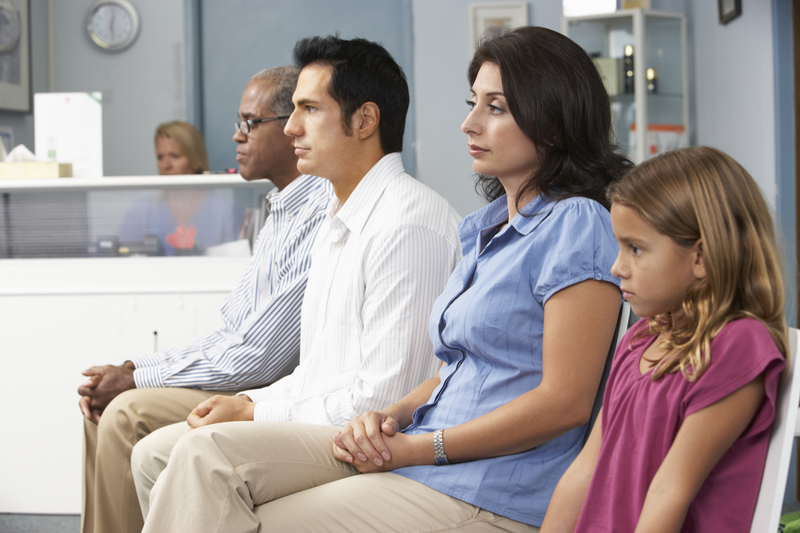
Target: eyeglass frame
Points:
(240, 125)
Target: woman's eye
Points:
(470, 103)
(635, 249)
(495, 110)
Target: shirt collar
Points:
(293, 196)
(356, 210)
(497, 212)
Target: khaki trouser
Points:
(110, 504)
(150, 457)
(218, 474)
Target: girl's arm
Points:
(700, 443)
(567, 501)
(578, 326)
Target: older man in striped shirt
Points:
(259, 341)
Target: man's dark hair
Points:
(362, 71)
(558, 99)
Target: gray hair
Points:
(285, 81)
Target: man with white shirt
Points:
(383, 255)
(259, 341)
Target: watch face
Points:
(9, 28)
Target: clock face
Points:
(113, 24)
(9, 28)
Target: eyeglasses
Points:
(245, 125)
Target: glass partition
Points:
(190, 220)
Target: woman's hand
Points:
(363, 439)
(403, 450)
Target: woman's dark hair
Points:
(558, 99)
(363, 72)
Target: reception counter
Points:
(65, 307)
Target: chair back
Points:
(625, 319)
(776, 469)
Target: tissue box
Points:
(35, 169)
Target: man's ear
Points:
(366, 119)
(698, 264)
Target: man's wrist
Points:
(130, 365)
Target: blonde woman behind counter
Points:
(186, 221)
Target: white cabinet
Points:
(58, 316)
(650, 97)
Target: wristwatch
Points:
(438, 448)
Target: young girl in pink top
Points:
(682, 438)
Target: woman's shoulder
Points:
(580, 208)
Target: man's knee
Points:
(123, 418)
(151, 453)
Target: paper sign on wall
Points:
(69, 129)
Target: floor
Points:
(37, 523)
(26, 523)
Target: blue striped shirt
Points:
(260, 339)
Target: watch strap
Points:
(438, 448)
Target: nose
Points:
(238, 136)
(470, 124)
(617, 269)
(292, 128)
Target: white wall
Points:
(734, 91)
(441, 57)
(142, 86)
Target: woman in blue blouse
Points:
(526, 319)
(522, 328)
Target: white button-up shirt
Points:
(379, 262)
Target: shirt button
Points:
(598, 276)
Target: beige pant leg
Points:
(380, 502)
(110, 504)
(149, 459)
(217, 473)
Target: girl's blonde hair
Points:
(189, 141)
(702, 193)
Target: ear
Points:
(698, 260)
(365, 121)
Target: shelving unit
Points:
(659, 42)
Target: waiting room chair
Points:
(624, 321)
(776, 469)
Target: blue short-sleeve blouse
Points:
(489, 332)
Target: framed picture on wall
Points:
(729, 10)
(15, 56)
(487, 17)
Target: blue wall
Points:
(241, 37)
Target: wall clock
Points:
(113, 25)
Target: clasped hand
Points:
(222, 409)
(104, 384)
(372, 443)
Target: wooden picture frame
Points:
(729, 10)
(15, 56)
